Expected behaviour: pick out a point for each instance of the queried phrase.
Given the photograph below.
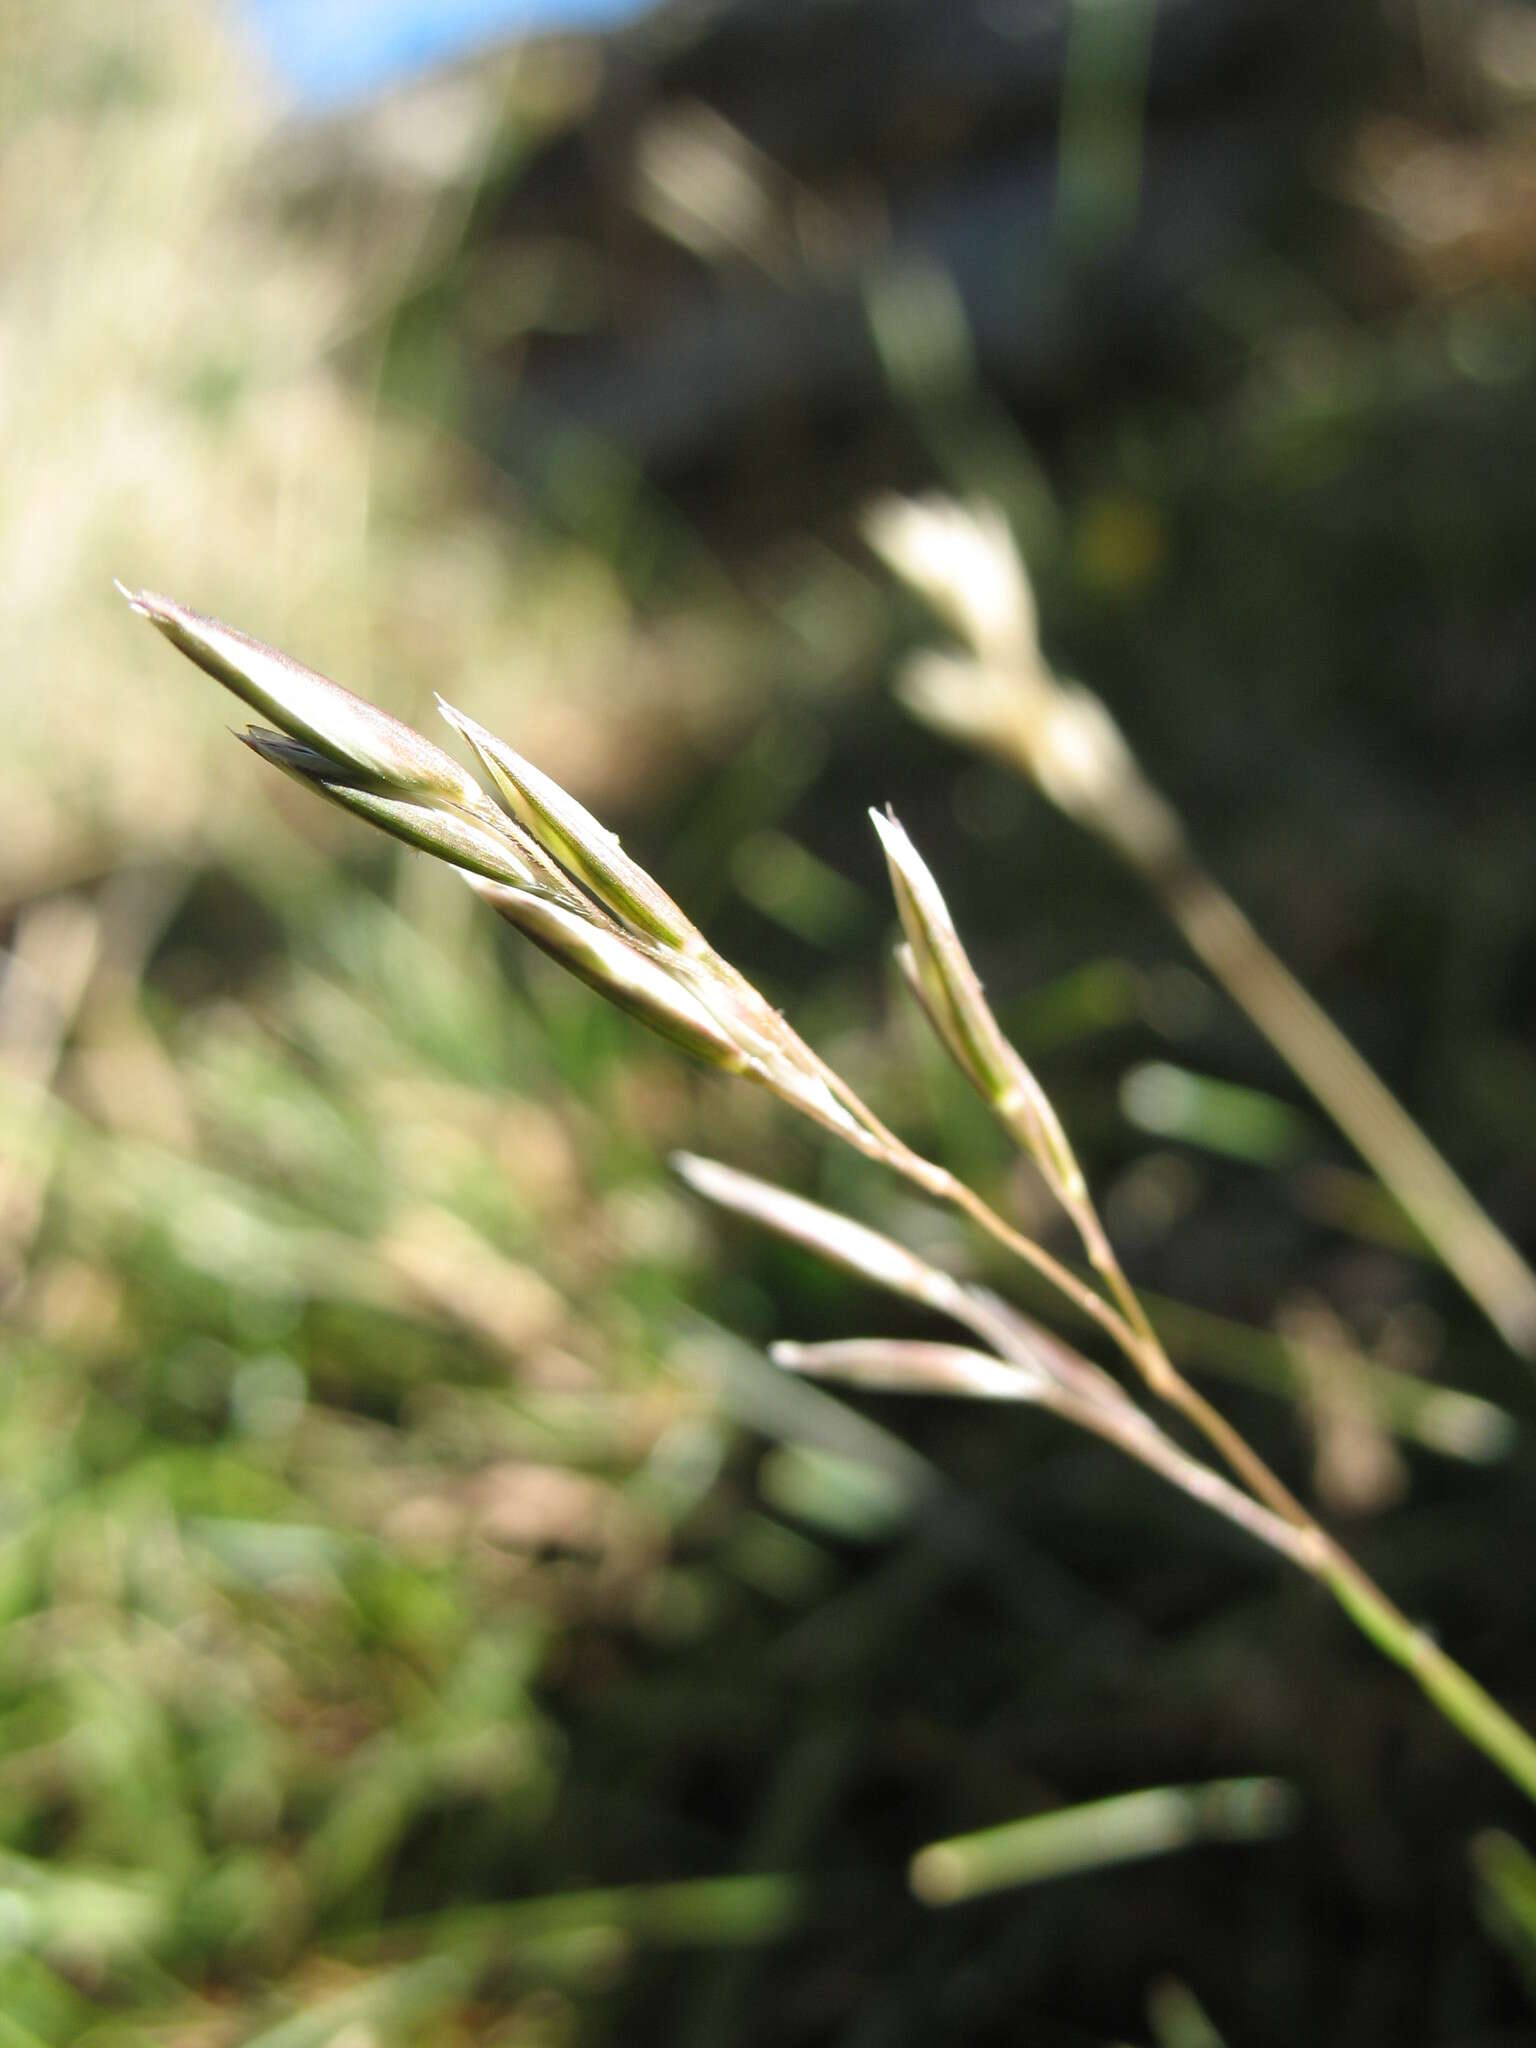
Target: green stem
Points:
(1455, 1692)
(1122, 1829)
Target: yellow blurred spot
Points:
(1120, 543)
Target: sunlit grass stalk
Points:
(551, 869)
(1005, 699)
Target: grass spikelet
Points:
(962, 560)
(572, 836)
(448, 834)
(310, 707)
(938, 970)
(619, 968)
(895, 1366)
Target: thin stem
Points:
(1102, 1258)
(1165, 1380)
(1282, 1521)
(1126, 1324)
(1140, 1438)
(1453, 1691)
(1145, 1350)
(1234, 1448)
(947, 1188)
(937, 1181)
(1297, 1534)
(1466, 1237)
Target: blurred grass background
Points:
(424, 1616)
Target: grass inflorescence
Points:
(555, 872)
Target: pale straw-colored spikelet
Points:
(1003, 695)
(309, 707)
(961, 558)
(830, 1235)
(894, 1365)
(939, 972)
(535, 854)
(430, 828)
(578, 840)
(628, 973)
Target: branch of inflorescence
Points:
(551, 869)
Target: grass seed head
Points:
(962, 559)
(311, 708)
(628, 973)
(531, 856)
(936, 960)
(938, 970)
(448, 834)
(900, 1366)
(570, 833)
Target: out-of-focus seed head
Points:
(962, 559)
(897, 1366)
(983, 706)
(573, 836)
(1058, 733)
(310, 707)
